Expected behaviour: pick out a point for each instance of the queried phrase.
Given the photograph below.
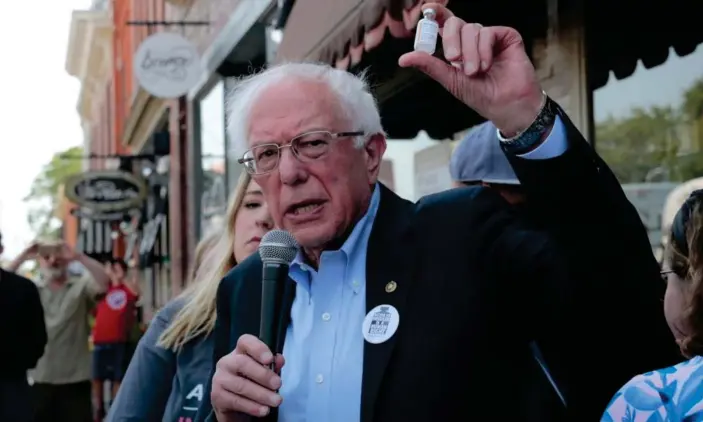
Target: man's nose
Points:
(290, 169)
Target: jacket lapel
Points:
(387, 283)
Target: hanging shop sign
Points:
(106, 191)
(167, 65)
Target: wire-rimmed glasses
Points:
(308, 146)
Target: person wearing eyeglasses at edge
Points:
(166, 379)
(675, 393)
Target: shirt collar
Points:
(359, 236)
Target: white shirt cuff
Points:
(552, 147)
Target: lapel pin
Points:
(391, 286)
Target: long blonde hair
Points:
(203, 249)
(198, 315)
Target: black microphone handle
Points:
(273, 279)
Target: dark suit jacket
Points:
(616, 325)
(475, 287)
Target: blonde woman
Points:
(166, 379)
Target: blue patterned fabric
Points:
(673, 394)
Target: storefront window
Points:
(649, 129)
(234, 169)
(213, 148)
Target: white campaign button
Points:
(380, 324)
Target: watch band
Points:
(528, 139)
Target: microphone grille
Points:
(278, 246)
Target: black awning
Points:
(411, 102)
(621, 33)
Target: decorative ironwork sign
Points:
(106, 191)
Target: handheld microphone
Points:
(277, 249)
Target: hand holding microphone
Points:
(246, 381)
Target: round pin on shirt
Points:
(380, 324)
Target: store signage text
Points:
(106, 191)
(167, 65)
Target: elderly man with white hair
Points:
(417, 312)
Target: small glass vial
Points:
(426, 32)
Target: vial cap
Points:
(429, 13)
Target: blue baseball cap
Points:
(479, 158)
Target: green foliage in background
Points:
(656, 144)
(44, 193)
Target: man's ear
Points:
(375, 147)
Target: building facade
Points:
(230, 44)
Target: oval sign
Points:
(167, 65)
(106, 191)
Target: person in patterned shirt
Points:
(674, 393)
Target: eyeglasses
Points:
(309, 146)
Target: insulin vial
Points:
(426, 32)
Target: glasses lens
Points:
(261, 159)
(312, 145)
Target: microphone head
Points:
(278, 246)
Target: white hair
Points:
(352, 91)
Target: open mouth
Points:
(305, 208)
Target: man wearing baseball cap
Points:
(479, 160)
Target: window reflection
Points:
(649, 129)
(212, 149)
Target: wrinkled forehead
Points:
(292, 107)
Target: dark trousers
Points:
(63, 402)
(15, 400)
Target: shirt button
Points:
(319, 379)
(326, 316)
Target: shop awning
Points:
(338, 32)
(621, 35)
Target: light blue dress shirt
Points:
(324, 345)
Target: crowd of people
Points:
(527, 292)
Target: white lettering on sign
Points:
(105, 190)
(197, 392)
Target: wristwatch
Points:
(528, 139)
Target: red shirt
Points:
(114, 316)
